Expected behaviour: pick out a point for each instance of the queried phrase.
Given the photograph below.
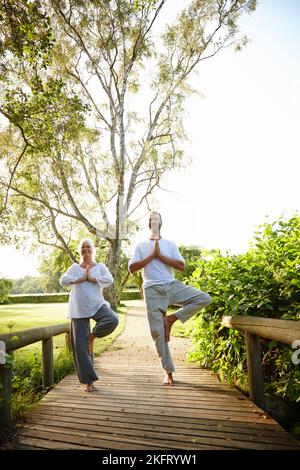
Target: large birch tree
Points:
(93, 111)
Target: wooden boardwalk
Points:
(131, 410)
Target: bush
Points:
(38, 298)
(263, 282)
(128, 294)
(5, 286)
(131, 294)
(27, 377)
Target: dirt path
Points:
(135, 345)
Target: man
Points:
(158, 257)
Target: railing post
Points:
(48, 370)
(68, 342)
(5, 395)
(255, 371)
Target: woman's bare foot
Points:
(91, 343)
(89, 387)
(168, 322)
(168, 380)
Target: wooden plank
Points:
(137, 389)
(192, 395)
(156, 413)
(19, 339)
(122, 441)
(38, 443)
(167, 421)
(165, 401)
(168, 434)
(155, 408)
(284, 331)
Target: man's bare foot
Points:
(168, 321)
(168, 380)
(91, 343)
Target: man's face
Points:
(154, 223)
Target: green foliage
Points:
(26, 284)
(25, 32)
(27, 377)
(53, 265)
(191, 255)
(131, 294)
(5, 286)
(265, 281)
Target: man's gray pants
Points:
(158, 298)
(106, 322)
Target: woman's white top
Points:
(86, 298)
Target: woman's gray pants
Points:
(106, 322)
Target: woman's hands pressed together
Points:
(89, 278)
(86, 277)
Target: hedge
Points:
(128, 294)
(38, 298)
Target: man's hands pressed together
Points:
(177, 264)
(174, 263)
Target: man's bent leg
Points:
(190, 299)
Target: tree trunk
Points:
(113, 292)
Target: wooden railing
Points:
(284, 331)
(17, 340)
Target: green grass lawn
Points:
(16, 317)
(31, 315)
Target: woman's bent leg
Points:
(80, 330)
(106, 321)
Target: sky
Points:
(243, 141)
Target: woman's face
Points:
(86, 251)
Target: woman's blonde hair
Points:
(88, 242)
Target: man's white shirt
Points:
(156, 272)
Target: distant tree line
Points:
(55, 263)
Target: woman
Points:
(86, 301)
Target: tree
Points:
(26, 284)
(94, 153)
(5, 286)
